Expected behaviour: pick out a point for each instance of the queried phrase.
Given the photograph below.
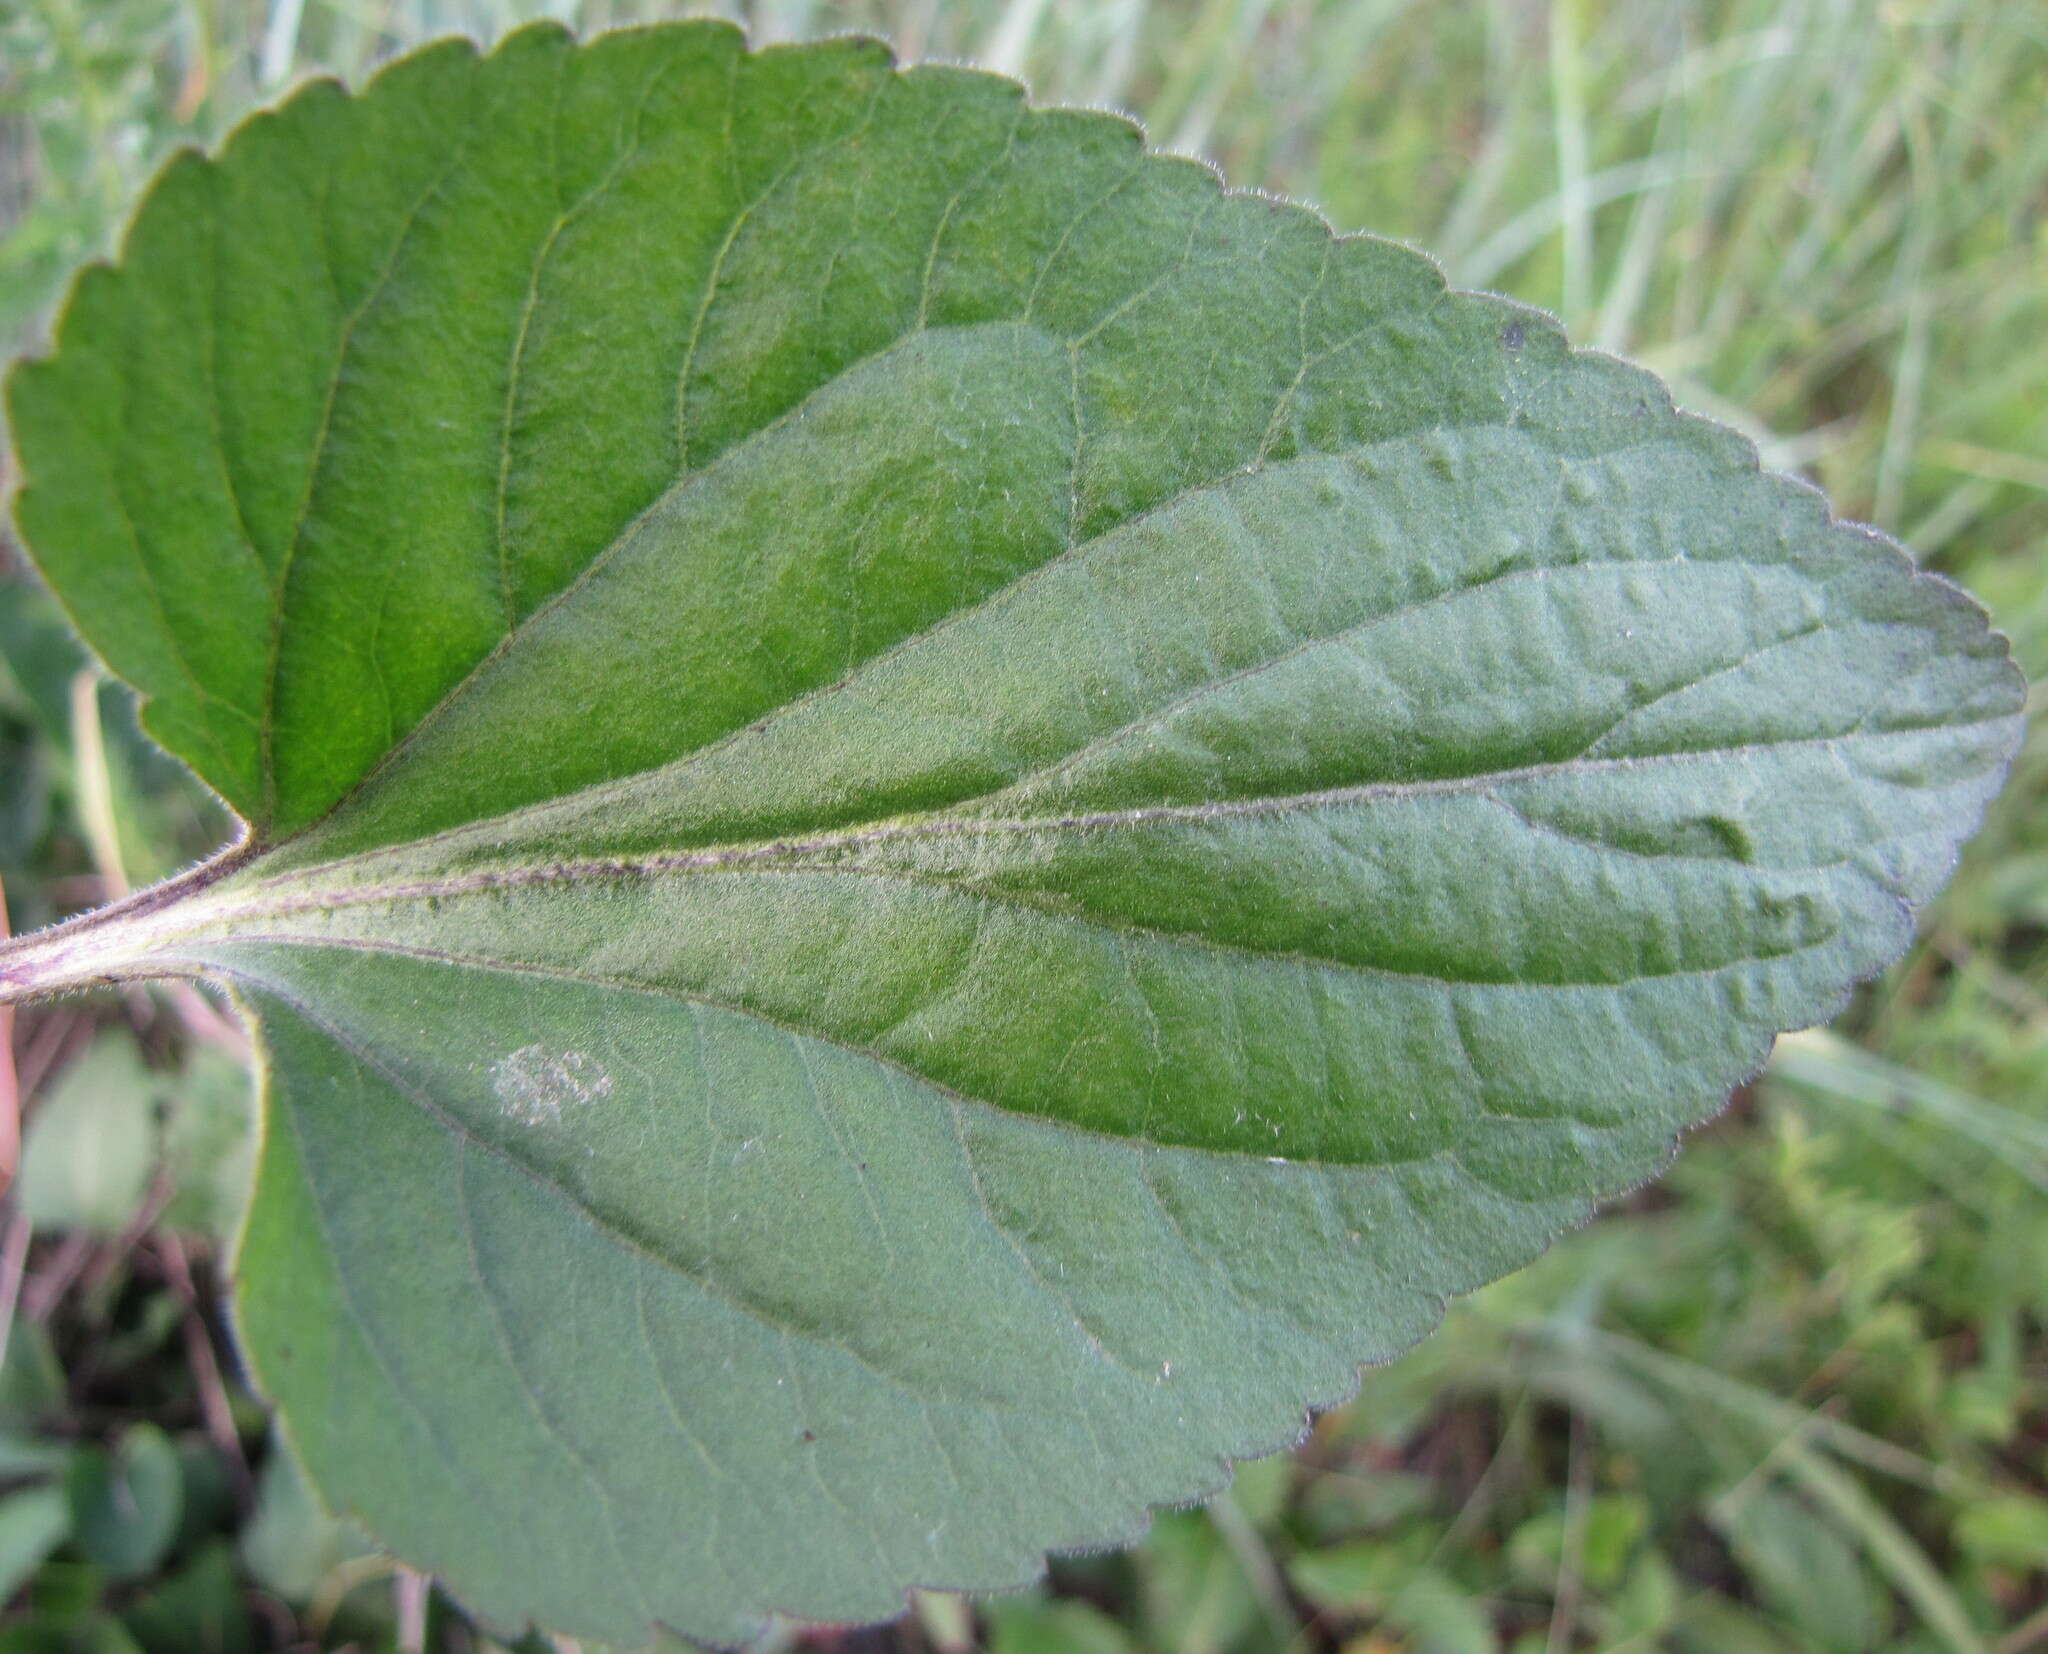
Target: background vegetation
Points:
(1794, 1397)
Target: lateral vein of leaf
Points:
(1120, 929)
(974, 181)
(621, 1238)
(1156, 716)
(1066, 235)
(119, 491)
(591, 571)
(711, 281)
(1797, 636)
(1130, 301)
(563, 219)
(1393, 1173)
(315, 463)
(1454, 990)
(551, 1427)
(675, 1413)
(1204, 1259)
(214, 403)
(1061, 1300)
(1394, 1169)
(688, 477)
(802, 158)
(1285, 399)
(372, 1341)
(1072, 551)
(855, 1169)
(800, 1411)
(540, 260)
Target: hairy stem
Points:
(107, 944)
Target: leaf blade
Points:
(940, 817)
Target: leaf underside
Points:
(938, 817)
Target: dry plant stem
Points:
(2032, 1632)
(410, 1591)
(10, 1091)
(410, 1588)
(203, 1022)
(95, 785)
(1257, 1565)
(45, 1290)
(199, 1351)
(13, 1264)
(1480, 1500)
(342, 1579)
(1578, 1494)
(57, 1036)
(1686, 1379)
(102, 1268)
(946, 1620)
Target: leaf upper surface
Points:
(939, 817)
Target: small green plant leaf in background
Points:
(1804, 1568)
(111, 1127)
(291, 1545)
(936, 817)
(2007, 1531)
(34, 1521)
(92, 1143)
(126, 1501)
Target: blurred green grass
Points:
(1796, 1396)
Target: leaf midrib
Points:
(218, 900)
(234, 919)
(299, 890)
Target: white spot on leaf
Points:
(535, 1084)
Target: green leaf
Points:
(110, 1125)
(1337, 1505)
(202, 1609)
(86, 1632)
(91, 1143)
(937, 817)
(126, 1502)
(25, 1456)
(33, 1523)
(1805, 1569)
(1357, 1577)
(1613, 1524)
(291, 1544)
(1196, 1597)
(1441, 1617)
(32, 1389)
(2006, 1530)
(1026, 1626)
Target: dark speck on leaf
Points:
(810, 1435)
(1513, 334)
